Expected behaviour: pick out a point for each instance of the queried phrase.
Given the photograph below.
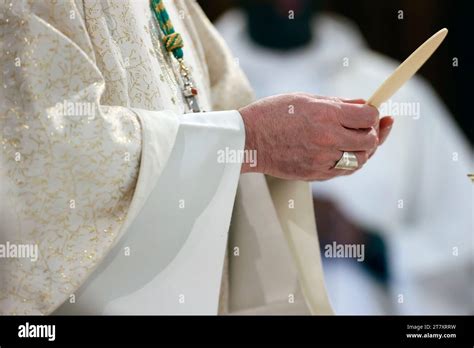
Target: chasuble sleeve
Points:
(70, 168)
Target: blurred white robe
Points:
(422, 167)
(128, 204)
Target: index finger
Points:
(358, 115)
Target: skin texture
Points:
(300, 136)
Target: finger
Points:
(385, 127)
(386, 124)
(354, 101)
(357, 140)
(322, 97)
(358, 116)
(336, 99)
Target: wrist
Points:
(250, 140)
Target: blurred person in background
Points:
(411, 208)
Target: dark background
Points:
(385, 33)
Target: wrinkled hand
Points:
(301, 136)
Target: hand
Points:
(383, 127)
(300, 136)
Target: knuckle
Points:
(372, 140)
(332, 111)
(367, 113)
(334, 99)
(373, 116)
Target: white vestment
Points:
(123, 193)
(414, 190)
